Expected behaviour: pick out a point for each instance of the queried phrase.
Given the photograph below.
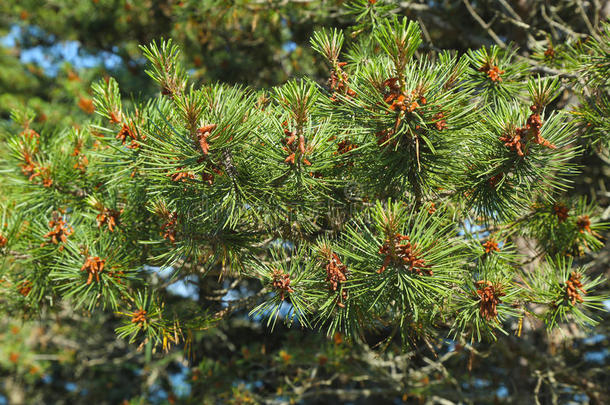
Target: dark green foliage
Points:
(418, 201)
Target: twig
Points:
(552, 23)
(564, 25)
(240, 303)
(424, 31)
(583, 14)
(19, 255)
(483, 24)
(537, 389)
(518, 21)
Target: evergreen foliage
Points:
(426, 144)
(392, 200)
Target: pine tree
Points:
(392, 198)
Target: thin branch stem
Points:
(483, 24)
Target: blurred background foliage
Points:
(50, 53)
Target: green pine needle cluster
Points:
(389, 198)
